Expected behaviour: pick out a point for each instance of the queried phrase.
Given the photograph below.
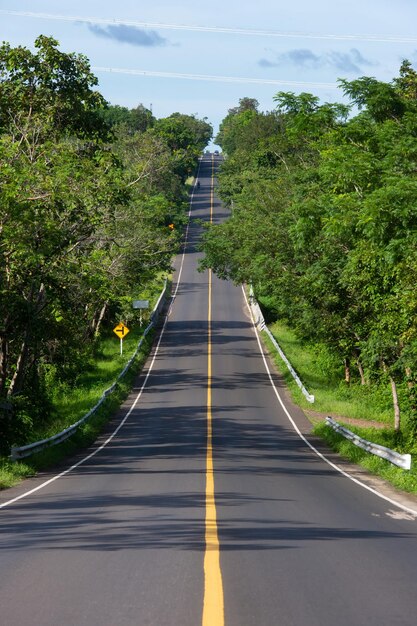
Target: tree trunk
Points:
(18, 380)
(411, 389)
(347, 371)
(410, 382)
(4, 345)
(102, 313)
(397, 415)
(361, 372)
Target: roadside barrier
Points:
(25, 451)
(401, 460)
(260, 322)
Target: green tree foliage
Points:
(324, 222)
(186, 137)
(87, 191)
(232, 127)
(134, 120)
(56, 87)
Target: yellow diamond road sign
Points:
(121, 330)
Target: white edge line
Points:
(114, 433)
(299, 433)
(186, 234)
(103, 445)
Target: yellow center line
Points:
(213, 610)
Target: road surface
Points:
(206, 508)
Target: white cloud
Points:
(129, 34)
(352, 61)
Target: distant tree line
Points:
(87, 194)
(324, 223)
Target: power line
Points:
(219, 79)
(214, 29)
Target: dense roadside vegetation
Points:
(323, 224)
(363, 409)
(71, 402)
(92, 201)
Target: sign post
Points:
(140, 304)
(121, 331)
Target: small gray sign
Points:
(141, 304)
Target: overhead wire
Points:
(213, 29)
(207, 77)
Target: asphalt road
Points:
(123, 539)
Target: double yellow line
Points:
(213, 609)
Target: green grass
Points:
(324, 378)
(71, 403)
(11, 473)
(405, 480)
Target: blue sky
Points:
(302, 45)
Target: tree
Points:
(85, 204)
(186, 137)
(231, 127)
(142, 118)
(138, 119)
(323, 222)
(381, 100)
(51, 85)
(406, 83)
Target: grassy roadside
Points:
(323, 377)
(71, 403)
